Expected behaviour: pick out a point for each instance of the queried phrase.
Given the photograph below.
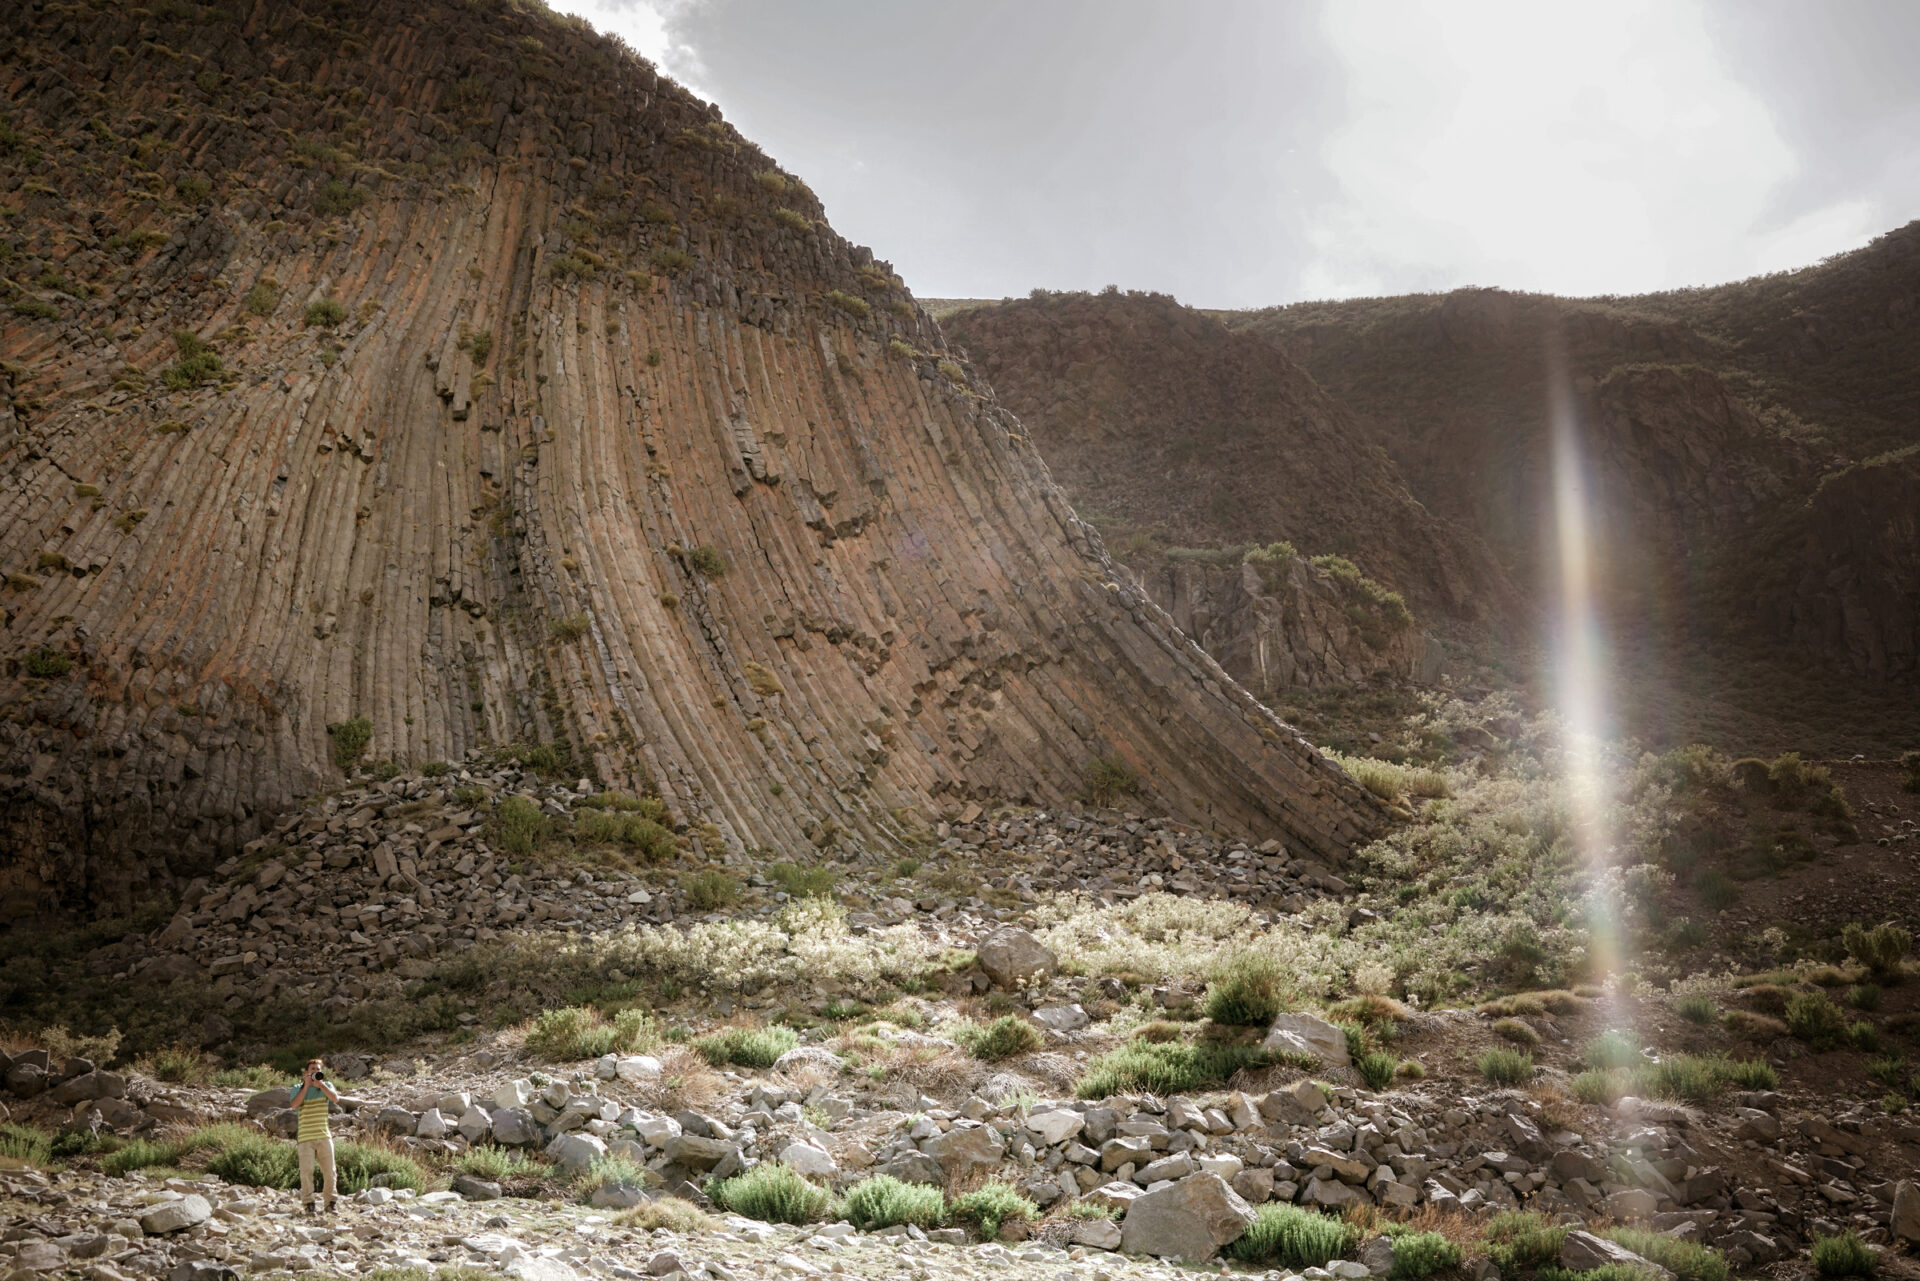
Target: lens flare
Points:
(1579, 657)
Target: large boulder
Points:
(1302, 1103)
(1906, 1210)
(1307, 1034)
(90, 1085)
(172, 1216)
(475, 1125)
(573, 1153)
(474, 1188)
(269, 1100)
(514, 1127)
(539, 1267)
(1055, 1126)
(914, 1167)
(696, 1152)
(809, 1161)
(965, 1148)
(1012, 957)
(1188, 1220)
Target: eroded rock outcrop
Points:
(385, 382)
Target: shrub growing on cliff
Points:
(264, 296)
(1172, 1067)
(852, 304)
(325, 313)
(47, 663)
(350, 739)
(1109, 778)
(708, 560)
(197, 363)
(336, 197)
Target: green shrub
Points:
(1521, 1240)
(264, 296)
(24, 1143)
(336, 197)
(1170, 1067)
(579, 1032)
(256, 1161)
(852, 304)
(992, 1204)
(1378, 1069)
(1506, 1067)
(1687, 1260)
(1843, 1256)
(1290, 1237)
(611, 1172)
(668, 258)
(1696, 1009)
(1880, 949)
(672, 1213)
(350, 739)
(1247, 989)
(883, 1201)
(47, 663)
(1689, 1078)
(495, 1164)
(197, 363)
(325, 313)
(708, 560)
(749, 1047)
(804, 882)
(772, 1193)
(569, 627)
(1889, 1070)
(36, 309)
(646, 838)
(358, 1165)
(257, 1077)
(518, 825)
(1863, 1036)
(1864, 996)
(1421, 1254)
(1611, 1049)
(1605, 1272)
(1816, 1020)
(1717, 889)
(1910, 761)
(1518, 1032)
(792, 219)
(1001, 1039)
(1108, 778)
(710, 889)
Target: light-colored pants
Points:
(320, 1150)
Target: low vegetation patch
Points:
(1171, 1067)
(1845, 1255)
(1247, 989)
(772, 1193)
(1522, 1240)
(1003, 1038)
(1687, 1260)
(579, 1032)
(1506, 1067)
(1421, 1254)
(748, 1047)
(883, 1201)
(669, 1213)
(1687, 1078)
(992, 1204)
(1291, 1237)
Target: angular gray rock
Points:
(476, 1189)
(1188, 1220)
(1307, 1034)
(965, 1147)
(1906, 1210)
(572, 1153)
(1583, 1252)
(514, 1127)
(1012, 956)
(172, 1216)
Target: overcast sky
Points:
(1241, 153)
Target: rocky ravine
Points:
(1183, 1175)
(442, 377)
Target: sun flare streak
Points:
(1579, 658)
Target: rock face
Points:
(1742, 448)
(1307, 1034)
(578, 427)
(1169, 428)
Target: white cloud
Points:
(1575, 149)
(648, 26)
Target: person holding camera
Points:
(310, 1100)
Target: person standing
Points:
(310, 1102)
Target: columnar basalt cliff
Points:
(385, 380)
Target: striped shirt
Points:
(313, 1116)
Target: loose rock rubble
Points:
(375, 883)
(1185, 1174)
